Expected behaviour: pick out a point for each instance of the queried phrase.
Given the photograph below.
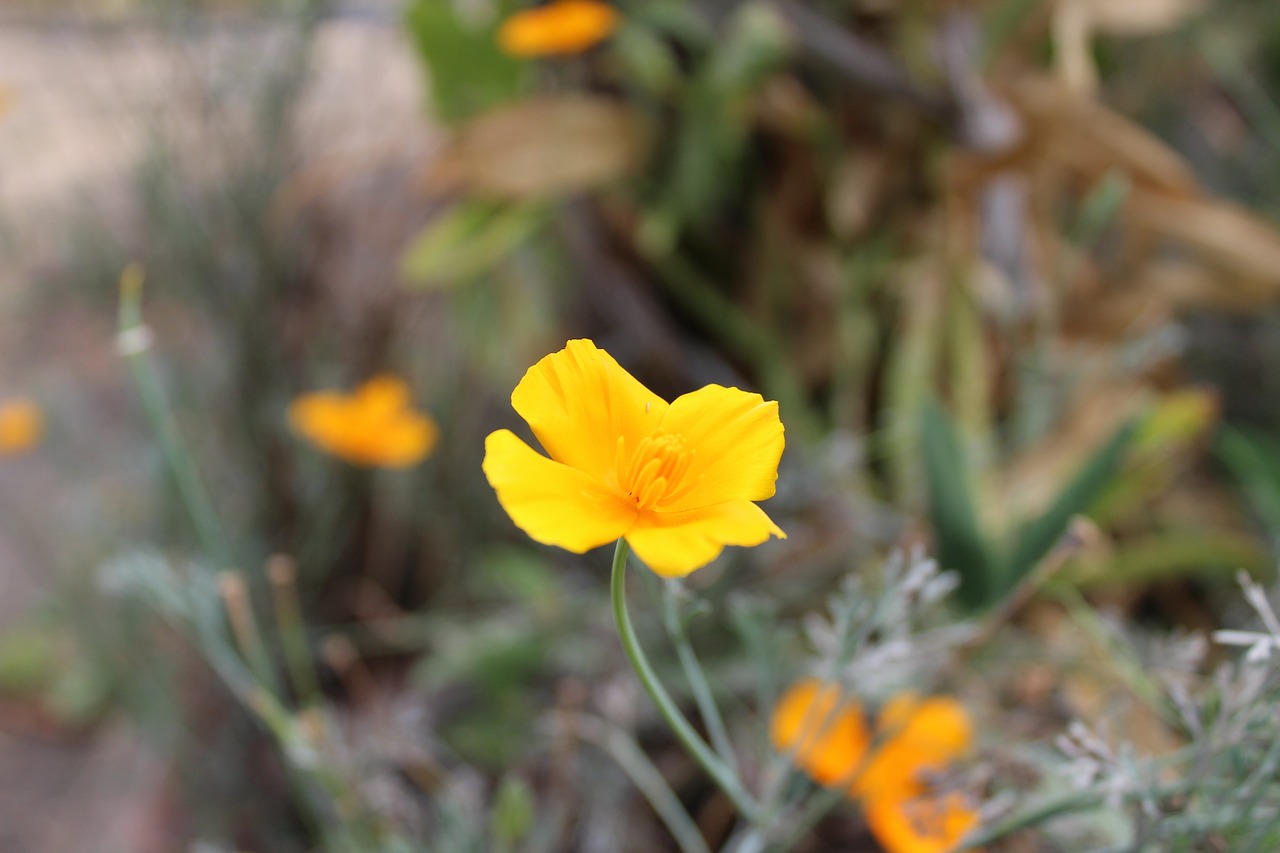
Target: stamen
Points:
(655, 471)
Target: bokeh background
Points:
(1011, 268)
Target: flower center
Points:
(655, 471)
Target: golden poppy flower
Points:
(375, 425)
(21, 426)
(924, 823)
(827, 737)
(559, 27)
(829, 740)
(676, 480)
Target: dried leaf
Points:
(1220, 233)
(856, 191)
(541, 148)
(1136, 17)
(1089, 140)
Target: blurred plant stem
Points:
(693, 744)
(133, 341)
(646, 777)
(702, 693)
(282, 573)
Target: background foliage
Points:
(1010, 269)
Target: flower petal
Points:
(319, 416)
(382, 395)
(673, 544)
(403, 441)
(826, 735)
(21, 425)
(737, 440)
(923, 823)
(553, 503)
(920, 736)
(579, 401)
(560, 27)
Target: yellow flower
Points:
(677, 480)
(826, 737)
(21, 425)
(917, 737)
(559, 27)
(375, 425)
(923, 823)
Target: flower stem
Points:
(684, 732)
(702, 694)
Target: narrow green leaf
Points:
(467, 240)
(1036, 538)
(959, 543)
(1204, 553)
(1254, 461)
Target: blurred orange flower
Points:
(677, 480)
(557, 28)
(922, 823)
(374, 426)
(915, 737)
(826, 737)
(918, 736)
(21, 426)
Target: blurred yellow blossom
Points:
(559, 27)
(375, 425)
(677, 480)
(21, 425)
(914, 737)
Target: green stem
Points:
(646, 777)
(689, 739)
(697, 679)
(1073, 802)
(133, 342)
(815, 810)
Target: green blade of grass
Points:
(1036, 538)
(1254, 462)
(958, 540)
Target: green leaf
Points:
(1204, 553)
(715, 116)
(1099, 208)
(1036, 538)
(757, 43)
(958, 540)
(648, 61)
(1254, 461)
(468, 240)
(468, 74)
(29, 659)
(514, 806)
